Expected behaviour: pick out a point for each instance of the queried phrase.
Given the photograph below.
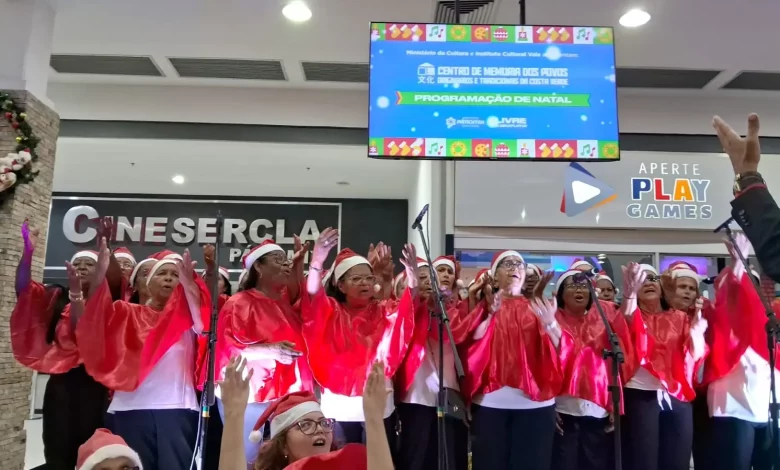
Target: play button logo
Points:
(582, 191)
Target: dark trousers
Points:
(213, 437)
(164, 439)
(354, 432)
(701, 431)
(512, 439)
(74, 405)
(418, 446)
(656, 438)
(584, 445)
(739, 445)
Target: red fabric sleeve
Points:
(29, 325)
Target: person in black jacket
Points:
(753, 208)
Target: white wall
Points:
(641, 111)
(429, 189)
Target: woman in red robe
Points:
(669, 344)
(146, 354)
(260, 324)
(42, 338)
(513, 374)
(737, 373)
(347, 330)
(584, 406)
(417, 380)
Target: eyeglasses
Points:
(280, 260)
(358, 279)
(576, 287)
(510, 264)
(309, 426)
(652, 278)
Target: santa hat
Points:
(566, 274)
(683, 269)
(103, 446)
(222, 272)
(531, 269)
(648, 267)
(284, 413)
(137, 268)
(242, 276)
(351, 456)
(93, 255)
(164, 254)
(579, 264)
(480, 273)
(498, 257)
(755, 274)
(346, 260)
(124, 253)
(260, 250)
(448, 260)
(603, 275)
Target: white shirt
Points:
(343, 408)
(508, 398)
(644, 380)
(574, 406)
(744, 392)
(425, 386)
(169, 386)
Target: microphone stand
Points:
(772, 329)
(207, 399)
(615, 353)
(444, 326)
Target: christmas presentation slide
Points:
(492, 92)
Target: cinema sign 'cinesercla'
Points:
(492, 92)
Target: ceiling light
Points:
(342, 183)
(634, 18)
(296, 11)
(178, 179)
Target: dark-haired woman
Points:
(260, 324)
(584, 406)
(512, 373)
(348, 329)
(669, 344)
(42, 338)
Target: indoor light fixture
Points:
(296, 11)
(178, 179)
(634, 18)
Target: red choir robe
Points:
(462, 324)
(662, 343)
(122, 342)
(515, 352)
(343, 342)
(349, 457)
(586, 374)
(248, 318)
(30, 322)
(737, 321)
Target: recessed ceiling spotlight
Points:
(296, 11)
(178, 179)
(634, 18)
(342, 183)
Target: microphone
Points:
(724, 225)
(419, 218)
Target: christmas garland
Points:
(16, 168)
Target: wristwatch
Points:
(748, 178)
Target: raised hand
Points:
(492, 299)
(299, 250)
(383, 261)
(544, 280)
(74, 279)
(235, 386)
(104, 259)
(409, 260)
(328, 239)
(209, 256)
(545, 309)
(105, 229)
(633, 278)
(375, 392)
(30, 237)
(668, 285)
(284, 352)
(744, 152)
(186, 268)
(698, 328)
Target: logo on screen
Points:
(582, 191)
(464, 122)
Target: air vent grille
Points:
(335, 72)
(471, 11)
(104, 65)
(629, 77)
(237, 69)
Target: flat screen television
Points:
(492, 92)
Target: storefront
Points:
(651, 207)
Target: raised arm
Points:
(633, 278)
(235, 395)
(328, 239)
(76, 296)
(374, 400)
(24, 269)
(296, 276)
(187, 277)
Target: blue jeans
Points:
(164, 439)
